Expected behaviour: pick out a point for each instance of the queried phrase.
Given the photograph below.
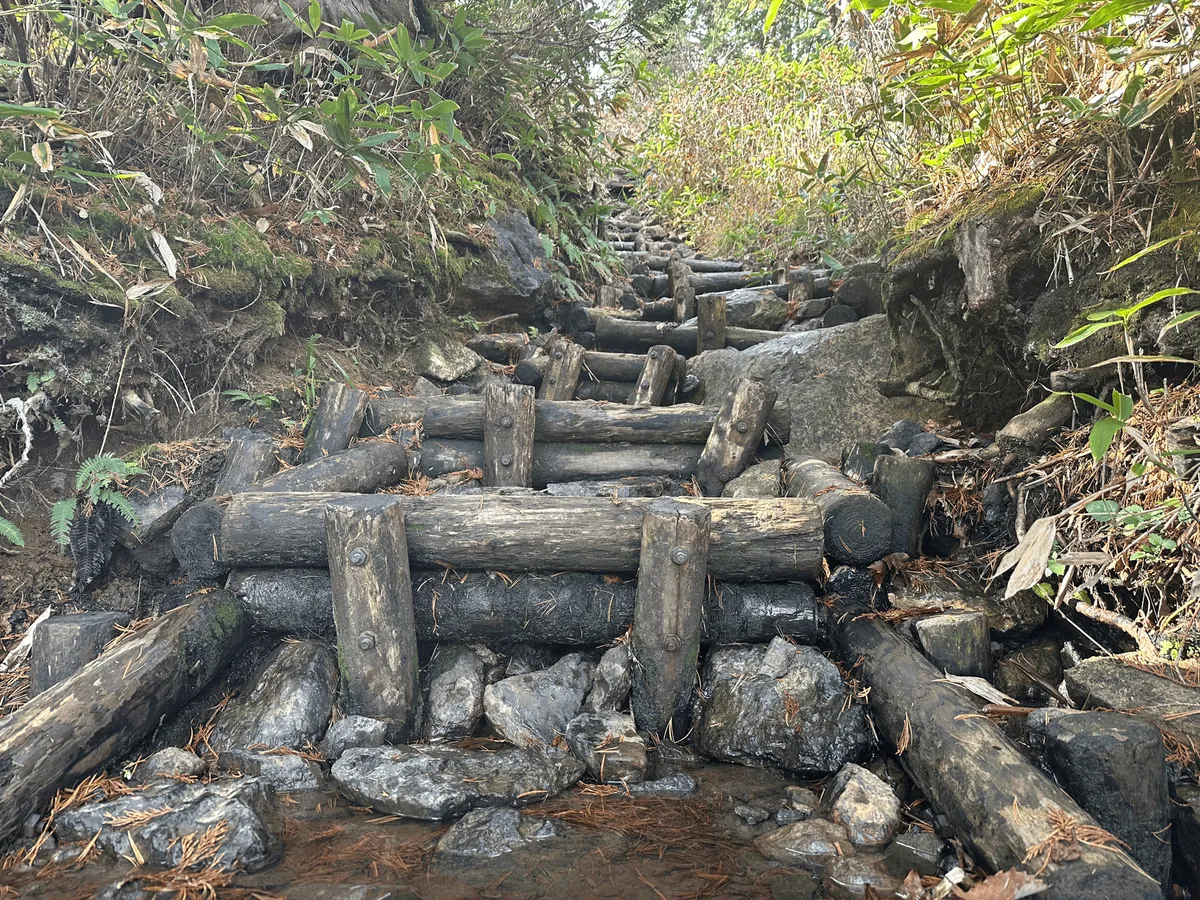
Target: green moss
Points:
(235, 244)
(928, 232)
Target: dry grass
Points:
(1065, 839)
(198, 875)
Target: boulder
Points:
(286, 772)
(352, 731)
(811, 843)
(1016, 616)
(530, 710)
(828, 378)
(755, 308)
(488, 833)
(608, 743)
(62, 645)
(611, 682)
(862, 293)
(455, 697)
(170, 762)
(781, 705)
(862, 803)
(435, 782)
(513, 274)
(848, 877)
(443, 359)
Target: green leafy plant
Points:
(11, 533)
(99, 480)
(262, 401)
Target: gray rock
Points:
(918, 852)
(532, 709)
(444, 359)
(1108, 683)
(755, 308)
(848, 877)
(1015, 672)
(801, 801)
(900, 436)
(820, 371)
(157, 510)
(861, 802)
(286, 772)
(525, 659)
(958, 643)
(62, 645)
(426, 389)
(437, 782)
(751, 815)
(455, 697)
(352, 731)
(675, 786)
(193, 809)
(803, 719)
(838, 315)
(289, 704)
(129, 889)
(611, 682)
(1016, 616)
(924, 443)
(515, 276)
(862, 293)
(170, 761)
(608, 743)
(760, 480)
(811, 843)
(1185, 833)
(808, 325)
(488, 833)
(811, 309)
(788, 816)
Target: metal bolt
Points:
(653, 354)
(710, 335)
(366, 641)
(742, 427)
(645, 385)
(672, 643)
(358, 557)
(724, 476)
(506, 460)
(552, 379)
(558, 354)
(679, 556)
(506, 422)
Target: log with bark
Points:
(858, 525)
(752, 540)
(366, 467)
(637, 337)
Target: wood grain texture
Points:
(508, 434)
(736, 434)
(365, 467)
(336, 422)
(904, 483)
(710, 322)
(651, 386)
(562, 377)
(858, 525)
(679, 285)
(250, 459)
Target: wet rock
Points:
(901, 435)
(608, 743)
(157, 510)
(799, 803)
(862, 293)
(33, 825)
(352, 731)
(512, 275)
(611, 682)
(924, 443)
(888, 770)
(524, 659)
(488, 833)
(437, 782)
(861, 802)
(848, 877)
(919, 852)
(1021, 674)
(958, 643)
(755, 308)
(455, 698)
(444, 359)
(1110, 684)
(62, 645)
(676, 786)
(854, 584)
(193, 810)
(1185, 833)
(838, 314)
(127, 889)
(288, 704)
(811, 843)
(751, 815)
(530, 710)
(286, 772)
(779, 705)
(168, 762)
(761, 480)
(1015, 616)
(426, 389)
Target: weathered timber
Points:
(553, 462)
(576, 608)
(858, 525)
(904, 483)
(650, 286)
(584, 318)
(604, 391)
(364, 468)
(659, 263)
(108, 707)
(751, 540)
(338, 417)
(679, 287)
(527, 371)
(651, 385)
(250, 459)
(373, 614)
(600, 366)
(637, 337)
(500, 348)
(710, 323)
(995, 798)
(562, 377)
(711, 282)
(736, 433)
(658, 311)
(558, 421)
(508, 432)
(800, 286)
(667, 614)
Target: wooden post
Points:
(373, 614)
(858, 525)
(667, 614)
(562, 377)
(710, 322)
(679, 284)
(336, 422)
(651, 385)
(609, 295)
(735, 435)
(250, 459)
(508, 435)
(904, 483)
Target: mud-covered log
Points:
(736, 433)
(580, 608)
(998, 802)
(562, 376)
(508, 435)
(336, 422)
(108, 707)
(500, 348)
(904, 483)
(627, 336)
(364, 468)
(752, 540)
(858, 525)
(557, 421)
(250, 459)
(651, 386)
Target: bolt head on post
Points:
(653, 354)
(742, 427)
(679, 556)
(358, 557)
(672, 643)
(558, 354)
(645, 385)
(506, 460)
(366, 641)
(506, 422)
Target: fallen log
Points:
(711, 282)
(752, 540)
(597, 365)
(557, 421)
(858, 525)
(364, 468)
(576, 608)
(1004, 808)
(337, 420)
(658, 311)
(108, 707)
(638, 337)
(250, 459)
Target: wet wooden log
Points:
(600, 366)
(508, 432)
(904, 483)
(679, 288)
(998, 802)
(752, 540)
(250, 459)
(658, 311)
(364, 468)
(650, 286)
(500, 348)
(651, 386)
(584, 318)
(712, 282)
(373, 614)
(336, 421)
(529, 371)
(557, 421)
(562, 376)
(736, 434)
(637, 337)
(617, 392)
(710, 323)
(103, 711)
(667, 614)
(858, 525)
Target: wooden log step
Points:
(708, 282)
(638, 337)
(751, 540)
(366, 467)
(508, 430)
(659, 263)
(858, 525)
(336, 421)
(566, 421)
(575, 608)
(604, 391)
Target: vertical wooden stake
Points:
(735, 435)
(710, 322)
(250, 459)
(373, 613)
(562, 377)
(679, 285)
(336, 422)
(657, 370)
(904, 483)
(667, 613)
(609, 295)
(508, 435)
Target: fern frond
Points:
(62, 514)
(99, 468)
(11, 533)
(121, 504)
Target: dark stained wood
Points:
(102, 712)
(651, 385)
(367, 466)
(659, 263)
(527, 371)
(584, 318)
(562, 377)
(710, 322)
(500, 348)
(904, 483)
(679, 286)
(373, 614)
(508, 434)
(600, 366)
(650, 286)
(658, 311)
(604, 391)
(608, 295)
(336, 422)
(711, 282)
(627, 336)
(250, 459)
(736, 434)
(800, 285)
(858, 525)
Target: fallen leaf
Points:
(1028, 559)
(1011, 885)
